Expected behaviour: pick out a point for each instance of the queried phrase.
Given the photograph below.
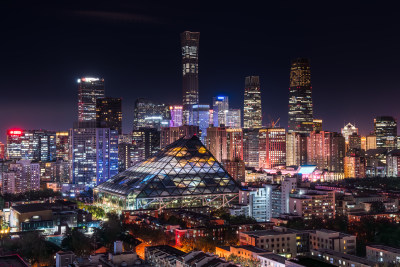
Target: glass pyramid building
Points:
(183, 174)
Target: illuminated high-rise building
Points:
(371, 142)
(252, 114)
(176, 116)
(250, 147)
(201, 118)
(21, 176)
(300, 97)
(354, 144)
(62, 145)
(220, 109)
(190, 71)
(148, 114)
(146, 143)
(317, 125)
(386, 132)
(171, 134)
(2, 151)
(89, 89)
(272, 148)
(226, 144)
(109, 113)
(94, 155)
(296, 149)
(326, 150)
(364, 143)
(354, 166)
(348, 130)
(233, 118)
(37, 145)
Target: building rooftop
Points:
(13, 261)
(183, 168)
(274, 257)
(382, 247)
(345, 256)
(31, 207)
(269, 232)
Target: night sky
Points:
(135, 47)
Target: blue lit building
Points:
(220, 108)
(94, 155)
(201, 118)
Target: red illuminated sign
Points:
(15, 132)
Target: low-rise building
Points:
(202, 259)
(340, 259)
(383, 254)
(246, 251)
(336, 241)
(163, 256)
(279, 240)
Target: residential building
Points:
(383, 254)
(312, 203)
(340, 259)
(336, 241)
(393, 163)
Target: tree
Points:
(77, 242)
(33, 247)
(377, 207)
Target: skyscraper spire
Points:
(300, 97)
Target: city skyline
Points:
(345, 74)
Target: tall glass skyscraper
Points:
(300, 97)
(201, 118)
(190, 66)
(109, 113)
(88, 91)
(220, 108)
(386, 132)
(252, 115)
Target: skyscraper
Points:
(348, 130)
(300, 97)
(38, 145)
(190, 67)
(386, 132)
(109, 113)
(201, 118)
(250, 147)
(148, 114)
(94, 155)
(89, 89)
(252, 114)
(176, 116)
(220, 108)
(272, 147)
(233, 118)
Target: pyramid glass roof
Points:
(183, 168)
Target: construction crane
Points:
(272, 122)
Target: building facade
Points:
(272, 148)
(89, 89)
(385, 128)
(252, 112)
(190, 71)
(300, 97)
(109, 113)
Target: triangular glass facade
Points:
(182, 169)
